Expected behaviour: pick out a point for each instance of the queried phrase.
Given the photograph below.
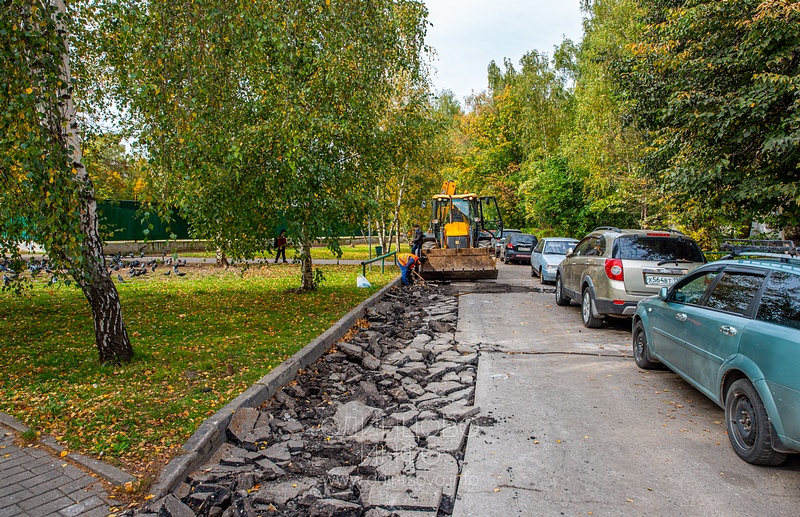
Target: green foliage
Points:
(38, 196)
(115, 173)
(258, 112)
(715, 84)
(554, 199)
(556, 203)
(512, 127)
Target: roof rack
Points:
(612, 228)
(749, 246)
(776, 249)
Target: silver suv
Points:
(610, 270)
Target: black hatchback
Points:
(518, 248)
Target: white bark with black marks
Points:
(111, 338)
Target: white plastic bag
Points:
(362, 281)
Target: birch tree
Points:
(45, 191)
(259, 115)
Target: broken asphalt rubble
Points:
(376, 427)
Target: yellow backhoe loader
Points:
(458, 245)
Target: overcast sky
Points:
(468, 34)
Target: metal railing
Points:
(382, 258)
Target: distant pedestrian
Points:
(406, 261)
(280, 246)
(416, 241)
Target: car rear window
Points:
(780, 302)
(523, 239)
(637, 247)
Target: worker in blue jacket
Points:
(406, 261)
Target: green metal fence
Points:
(127, 221)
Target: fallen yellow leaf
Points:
(63, 453)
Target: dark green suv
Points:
(732, 329)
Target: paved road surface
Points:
(580, 430)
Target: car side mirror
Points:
(663, 294)
(569, 253)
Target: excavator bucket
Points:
(458, 264)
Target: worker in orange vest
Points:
(406, 261)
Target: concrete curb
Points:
(111, 474)
(212, 433)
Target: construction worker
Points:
(416, 242)
(406, 261)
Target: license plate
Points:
(660, 280)
(524, 248)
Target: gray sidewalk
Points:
(36, 482)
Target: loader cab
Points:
(465, 220)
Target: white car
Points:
(548, 254)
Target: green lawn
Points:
(199, 341)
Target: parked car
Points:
(731, 328)
(548, 254)
(610, 270)
(498, 243)
(518, 247)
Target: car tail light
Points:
(614, 269)
(654, 234)
(510, 245)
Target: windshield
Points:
(557, 247)
(656, 248)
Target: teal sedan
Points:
(731, 328)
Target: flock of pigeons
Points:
(139, 267)
(116, 264)
(35, 266)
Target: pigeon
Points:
(153, 268)
(168, 272)
(180, 273)
(6, 280)
(141, 255)
(119, 277)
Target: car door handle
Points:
(680, 316)
(728, 330)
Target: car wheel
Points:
(748, 425)
(587, 301)
(532, 273)
(641, 353)
(561, 298)
(541, 278)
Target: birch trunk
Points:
(306, 266)
(396, 221)
(92, 276)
